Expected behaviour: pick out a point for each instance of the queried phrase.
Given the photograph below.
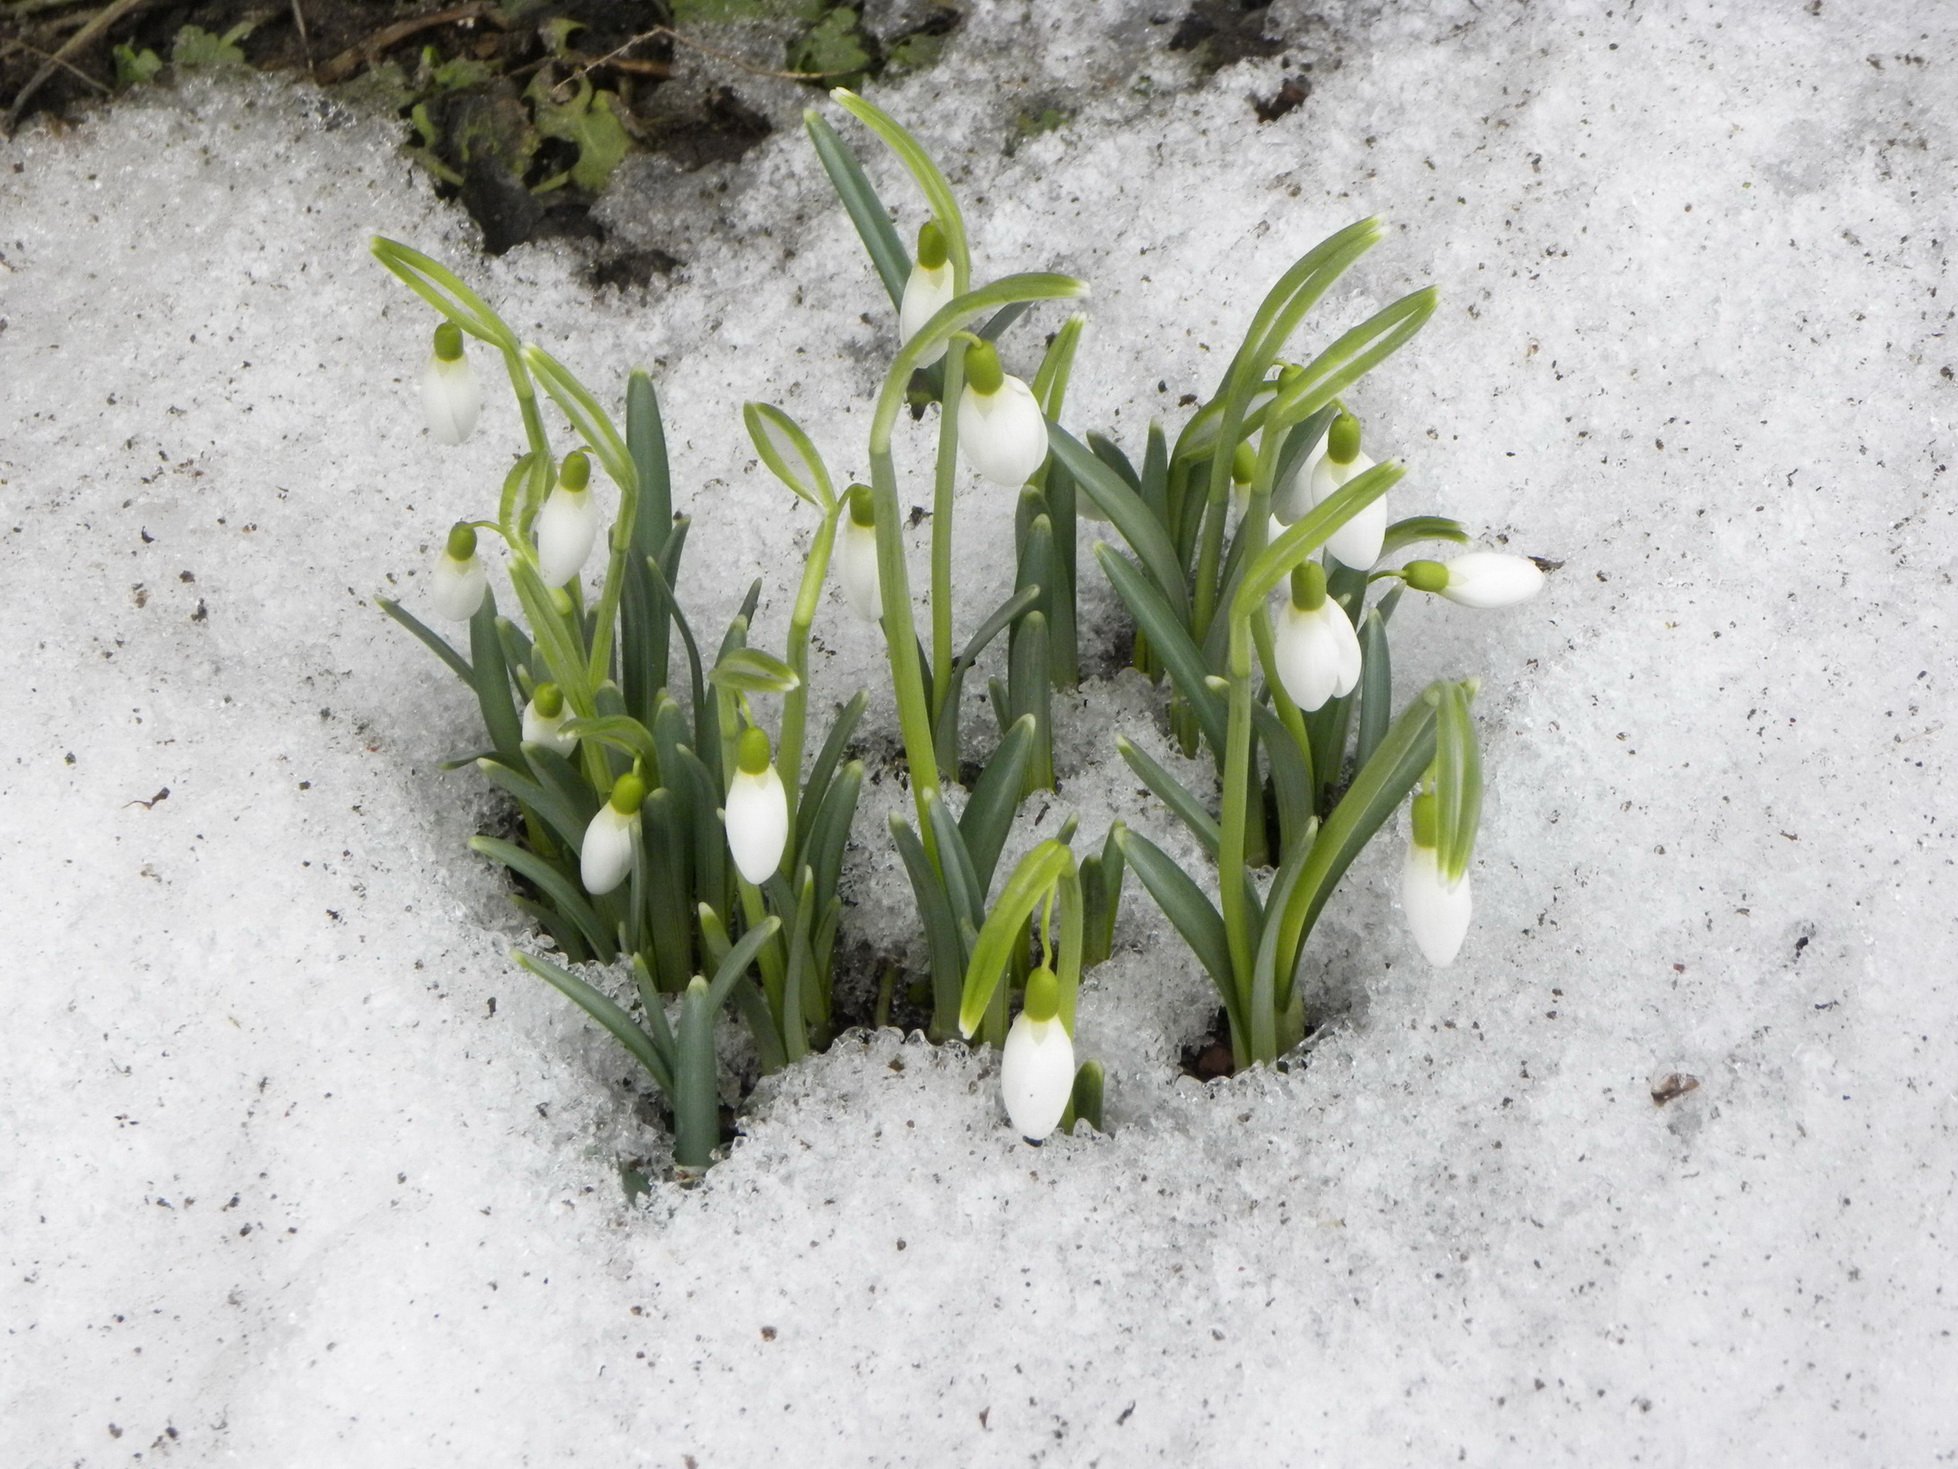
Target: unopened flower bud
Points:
(460, 577)
(567, 525)
(757, 813)
(452, 398)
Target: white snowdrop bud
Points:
(1437, 913)
(1314, 646)
(1478, 579)
(856, 556)
(544, 718)
(757, 814)
(605, 857)
(1036, 1066)
(451, 396)
(1002, 432)
(460, 577)
(928, 289)
(567, 525)
(1357, 543)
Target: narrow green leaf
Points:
(1376, 686)
(831, 831)
(1184, 905)
(561, 817)
(433, 641)
(1170, 641)
(590, 421)
(816, 787)
(1183, 804)
(941, 931)
(789, 453)
(696, 1093)
(989, 811)
(607, 1012)
(1006, 926)
(1417, 528)
(751, 671)
(569, 899)
(1291, 776)
(492, 683)
(866, 210)
(1121, 505)
(740, 957)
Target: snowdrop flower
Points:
(544, 719)
(1326, 470)
(856, 558)
(1036, 1067)
(1437, 913)
(451, 395)
(1477, 579)
(605, 857)
(1314, 646)
(757, 814)
(928, 290)
(460, 578)
(567, 526)
(1002, 431)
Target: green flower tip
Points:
(549, 700)
(1244, 464)
(1425, 576)
(752, 754)
(863, 510)
(983, 373)
(1043, 997)
(1423, 813)
(931, 245)
(1308, 586)
(628, 794)
(575, 473)
(448, 341)
(462, 541)
(1343, 439)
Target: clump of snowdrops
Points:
(674, 823)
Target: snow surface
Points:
(299, 1171)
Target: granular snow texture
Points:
(299, 1170)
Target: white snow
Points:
(280, 1186)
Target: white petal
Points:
(856, 568)
(1492, 579)
(1003, 435)
(606, 855)
(1357, 543)
(1293, 496)
(925, 293)
(459, 586)
(1307, 649)
(757, 823)
(1036, 1075)
(451, 399)
(537, 730)
(1346, 644)
(1437, 915)
(567, 527)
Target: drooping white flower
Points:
(605, 856)
(757, 813)
(1315, 648)
(452, 398)
(544, 718)
(856, 556)
(1357, 543)
(1437, 911)
(1478, 578)
(460, 577)
(928, 289)
(1002, 431)
(1036, 1066)
(567, 525)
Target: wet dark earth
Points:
(522, 110)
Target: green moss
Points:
(836, 49)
